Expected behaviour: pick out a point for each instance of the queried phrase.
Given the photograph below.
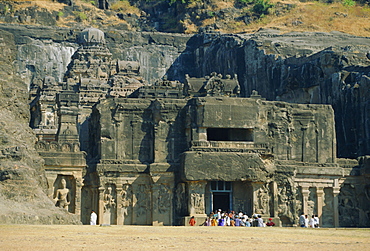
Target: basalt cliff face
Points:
(22, 177)
(308, 68)
(318, 68)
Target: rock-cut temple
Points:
(159, 153)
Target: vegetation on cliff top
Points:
(191, 16)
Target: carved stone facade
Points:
(157, 154)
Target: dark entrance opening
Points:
(221, 200)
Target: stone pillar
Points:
(43, 115)
(132, 151)
(120, 152)
(119, 204)
(336, 190)
(202, 134)
(274, 198)
(160, 142)
(320, 200)
(101, 204)
(79, 183)
(305, 192)
(304, 132)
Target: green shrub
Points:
(349, 3)
(261, 7)
(80, 16)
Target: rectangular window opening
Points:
(230, 134)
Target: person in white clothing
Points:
(312, 221)
(93, 218)
(306, 221)
(260, 222)
(317, 221)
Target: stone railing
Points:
(54, 146)
(228, 146)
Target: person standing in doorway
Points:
(93, 217)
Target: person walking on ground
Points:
(93, 217)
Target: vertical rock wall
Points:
(319, 68)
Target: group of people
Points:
(305, 222)
(233, 219)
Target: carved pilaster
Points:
(119, 204)
(101, 204)
(336, 190)
(275, 199)
(202, 134)
(78, 195)
(320, 200)
(305, 192)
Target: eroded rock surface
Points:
(22, 177)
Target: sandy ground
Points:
(56, 237)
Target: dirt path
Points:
(30, 237)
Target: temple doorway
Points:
(221, 200)
(221, 195)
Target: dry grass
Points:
(125, 7)
(46, 4)
(219, 5)
(191, 28)
(315, 16)
(306, 16)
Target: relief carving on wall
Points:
(197, 198)
(262, 203)
(348, 206)
(285, 205)
(126, 202)
(109, 201)
(163, 197)
(142, 200)
(180, 198)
